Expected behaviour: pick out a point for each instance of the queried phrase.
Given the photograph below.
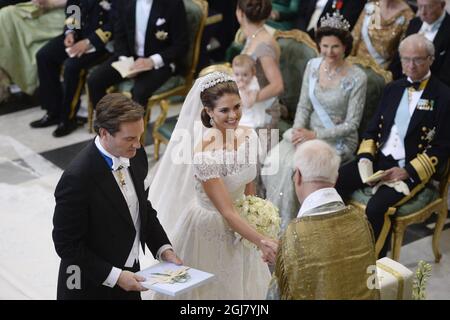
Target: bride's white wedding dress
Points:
(203, 239)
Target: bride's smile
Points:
(227, 113)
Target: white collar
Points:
(117, 161)
(424, 78)
(319, 198)
(435, 25)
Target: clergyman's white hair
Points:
(317, 161)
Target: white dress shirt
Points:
(394, 144)
(143, 9)
(130, 196)
(429, 31)
(320, 5)
(317, 199)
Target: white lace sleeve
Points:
(206, 166)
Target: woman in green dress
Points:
(24, 29)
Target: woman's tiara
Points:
(336, 21)
(213, 78)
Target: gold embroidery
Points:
(424, 166)
(397, 276)
(103, 35)
(367, 146)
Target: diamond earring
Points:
(211, 122)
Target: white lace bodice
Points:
(236, 168)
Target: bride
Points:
(202, 173)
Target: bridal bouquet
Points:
(260, 214)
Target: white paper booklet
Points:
(195, 279)
(123, 66)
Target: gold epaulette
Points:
(367, 146)
(424, 165)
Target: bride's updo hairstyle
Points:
(213, 87)
(255, 10)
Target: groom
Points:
(102, 214)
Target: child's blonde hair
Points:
(244, 60)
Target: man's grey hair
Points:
(317, 161)
(418, 40)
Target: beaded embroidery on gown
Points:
(203, 240)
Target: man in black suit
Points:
(316, 9)
(408, 137)
(81, 46)
(102, 214)
(434, 23)
(154, 32)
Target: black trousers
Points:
(89, 291)
(63, 99)
(349, 180)
(4, 3)
(145, 83)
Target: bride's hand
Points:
(269, 248)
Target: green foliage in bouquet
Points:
(423, 272)
(260, 214)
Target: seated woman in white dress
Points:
(330, 108)
(194, 190)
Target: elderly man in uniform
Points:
(408, 137)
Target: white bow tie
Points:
(120, 163)
(428, 27)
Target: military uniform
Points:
(426, 146)
(93, 23)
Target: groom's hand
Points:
(129, 281)
(170, 256)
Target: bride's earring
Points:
(211, 122)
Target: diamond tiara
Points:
(213, 78)
(336, 21)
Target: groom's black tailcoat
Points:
(93, 229)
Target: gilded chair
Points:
(197, 13)
(223, 67)
(432, 199)
(297, 48)
(177, 85)
(377, 78)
